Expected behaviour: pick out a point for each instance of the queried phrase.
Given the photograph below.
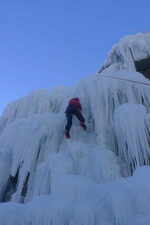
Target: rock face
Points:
(87, 179)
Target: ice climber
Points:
(74, 108)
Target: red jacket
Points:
(75, 102)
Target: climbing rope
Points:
(128, 80)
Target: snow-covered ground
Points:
(99, 176)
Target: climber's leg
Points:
(80, 117)
(68, 125)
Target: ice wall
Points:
(37, 102)
(81, 180)
(101, 96)
(132, 134)
(128, 50)
(123, 202)
(47, 154)
(38, 149)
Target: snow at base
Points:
(99, 176)
(125, 202)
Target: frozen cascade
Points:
(101, 96)
(37, 102)
(85, 202)
(123, 55)
(132, 134)
(40, 154)
(82, 180)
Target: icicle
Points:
(132, 136)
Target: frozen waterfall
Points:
(99, 176)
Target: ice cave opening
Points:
(143, 66)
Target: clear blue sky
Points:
(45, 43)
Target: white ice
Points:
(84, 180)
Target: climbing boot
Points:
(83, 126)
(67, 135)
